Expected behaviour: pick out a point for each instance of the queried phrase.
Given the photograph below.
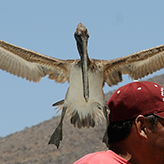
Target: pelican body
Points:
(85, 113)
(84, 102)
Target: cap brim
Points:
(160, 114)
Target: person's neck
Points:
(133, 153)
(121, 150)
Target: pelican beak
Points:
(84, 66)
(81, 36)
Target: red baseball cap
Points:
(136, 98)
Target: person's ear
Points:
(141, 126)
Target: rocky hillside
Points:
(30, 145)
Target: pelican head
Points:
(81, 35)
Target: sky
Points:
(116, 28)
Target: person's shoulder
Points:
(96, 158)
(89, 158)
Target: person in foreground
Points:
(136, 127)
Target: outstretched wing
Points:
(32, 65)
(137, 65)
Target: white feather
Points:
(75, 100)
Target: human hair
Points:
(119, 131)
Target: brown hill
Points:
(30, 145)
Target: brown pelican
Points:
(84, 101)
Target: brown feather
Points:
(137, 65)
(32, 65)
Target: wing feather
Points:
(32, 65)
(137, 65)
